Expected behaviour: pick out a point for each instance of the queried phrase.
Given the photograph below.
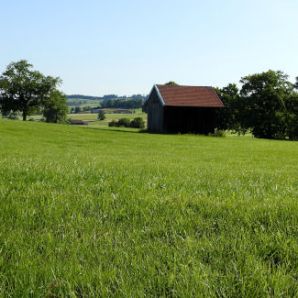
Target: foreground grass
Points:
(88, 212)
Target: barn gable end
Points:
(154, 109)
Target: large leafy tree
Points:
(24, 89)
(296, 83)
(292, 116)
(229, 118)
(55, 107)
(264, 110)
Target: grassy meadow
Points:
(102, 212)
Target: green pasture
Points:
(115, 213)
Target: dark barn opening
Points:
(182, 109)
(188, 119)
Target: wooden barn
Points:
(182, 109)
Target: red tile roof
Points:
(189, 96)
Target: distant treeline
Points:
(131, 103)
(107, 101)
(105, 97)
(86, 97)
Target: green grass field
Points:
(99, 212)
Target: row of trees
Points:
(127, 103)
(265, 104)
(25, 90)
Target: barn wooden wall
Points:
(154, 113)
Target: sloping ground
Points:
(88, 212)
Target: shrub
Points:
(218, 133)
(77, 110)
(101, 115)
(124, 122)
(113, 123)
(137, 122)
(13, 116)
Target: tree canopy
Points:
(171, 83)
(24, 89)
(55, 108)
(266, 104)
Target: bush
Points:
(13, 116)
(113, 123)
(137, 122)
(125, 122)
(77, 110)
(101, 115)
(218, 133)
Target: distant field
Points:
(109, 117)
(97, 212)
(103, 123)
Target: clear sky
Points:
(125, 46)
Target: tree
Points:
(101, 115)
(77, 109)
(55, 107)
(264, 108)
(229, 117)
(296, 83)
(171, 83)
(292, 116)
(24, 89)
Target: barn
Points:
(182, 109)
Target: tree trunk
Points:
(24, 115)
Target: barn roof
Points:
(188, 96)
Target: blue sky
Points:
(125, 46)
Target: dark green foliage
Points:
(55, 108)
(264, 97)
(292, 116)
(23, 89)
(171, 83)
(230, 117)
(296, 83)
(101, 115)
(218, 133)
(77, 109)
(137, 122)
(125, 122)
(86, 108)
(12, 115)
(113, 123)
(84, 97)
(134, 103)
(266, 105)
